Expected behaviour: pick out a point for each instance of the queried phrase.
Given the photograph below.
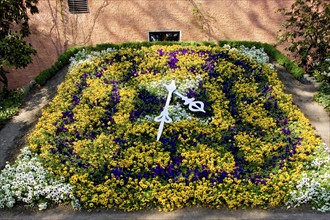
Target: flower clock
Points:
(174, 126)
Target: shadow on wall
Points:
(131, 20)
(119, 21)
(72, 29)
(259, 20)
(203, 20)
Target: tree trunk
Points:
(304, 59)
(4, 80)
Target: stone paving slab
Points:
(65, 213)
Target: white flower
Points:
(314, 186)
(26, 181)
(10, 203)
(254, 53)
(86, 57)
(226, 46)
(42, 206)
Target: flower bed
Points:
(29, 182)
(248, 149)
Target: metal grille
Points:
(78, 6)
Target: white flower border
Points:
(29, 182)
(314, 185)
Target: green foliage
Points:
(15, 11)
(323, 95)
(42, 78)
(14, 27)
(322, 71)
(307, 30)
(273, 53)
(9, 105)
(209, 43)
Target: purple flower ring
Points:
(234, 137)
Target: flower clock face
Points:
(194, 106)
(174, 126)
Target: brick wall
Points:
(54, 29)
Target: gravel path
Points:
(302, 95)
(13, 137)
(13, 134)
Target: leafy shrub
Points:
(323, 95)
(9, 105)
(14, 23)
(322, 71)
(306, 31)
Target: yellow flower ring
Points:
(245, 150)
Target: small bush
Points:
(9, 105)
(323, 95)
(306, 31)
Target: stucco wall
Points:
(54, 29)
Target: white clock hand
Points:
(194, 106)
(163, 117)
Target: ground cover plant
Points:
(323, 95)
(9, 105)
(251, 148)
(322, 75)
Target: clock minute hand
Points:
(194, 106)
(163, 117)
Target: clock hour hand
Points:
(163, 117)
